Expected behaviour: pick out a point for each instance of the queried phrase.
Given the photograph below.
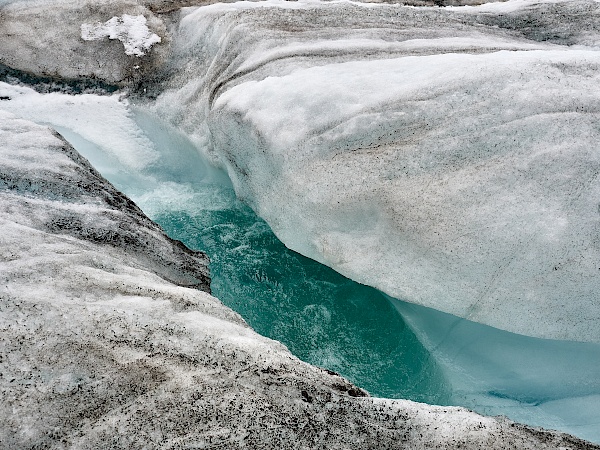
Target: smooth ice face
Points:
(552, 384)
(447, 157)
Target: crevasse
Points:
(445, 156)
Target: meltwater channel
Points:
(386, 346)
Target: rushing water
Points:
(322, 317)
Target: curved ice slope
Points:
(446, 156)
(554, 384)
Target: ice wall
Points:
(448, 157)
(554, 384)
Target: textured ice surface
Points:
(99, 350)
(35, 164)
(44, 37)
(446, 156)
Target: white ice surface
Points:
(104, 120)
(44, 37)
(509, 6)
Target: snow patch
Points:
(132, 31)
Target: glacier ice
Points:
(554, 384)
(447, 156)
(541, 382)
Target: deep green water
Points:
(321, 316)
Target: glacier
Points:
(446, 156)
(536, 381)
(105, 344)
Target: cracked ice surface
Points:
(447, 156)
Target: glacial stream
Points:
(386, 346)
(321, 316)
